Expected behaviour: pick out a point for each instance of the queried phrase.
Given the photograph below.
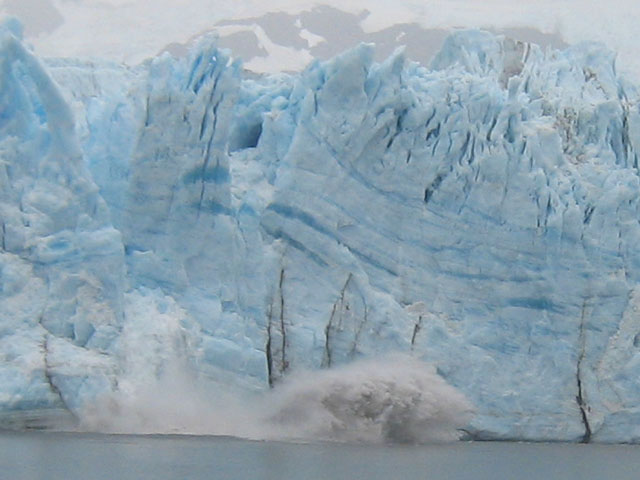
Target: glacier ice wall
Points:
(61, 259)
(481, 214)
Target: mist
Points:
(393, 400)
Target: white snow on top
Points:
(132, 30)
(279, 58)
(311, 38)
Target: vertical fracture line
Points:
(586, 438)
(285, 365)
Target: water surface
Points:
(68, 456)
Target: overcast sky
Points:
(132, 30)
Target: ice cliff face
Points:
(482, 214)
(61, 260)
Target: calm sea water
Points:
(52, 456)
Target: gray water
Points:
(69, 456)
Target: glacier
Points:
(481, 215)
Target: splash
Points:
(394, 400)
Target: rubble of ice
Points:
(481, 215)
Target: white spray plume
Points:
(397, 399)
(393, 400)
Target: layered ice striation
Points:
(481, 214)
